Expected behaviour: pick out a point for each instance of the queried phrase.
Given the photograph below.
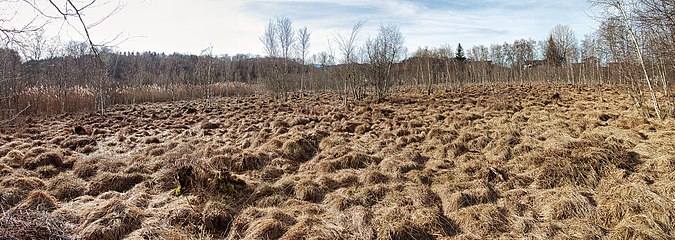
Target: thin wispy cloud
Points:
(434, 23)
(233, 26)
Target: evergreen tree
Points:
(553, 57)
(460, 53)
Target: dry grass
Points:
(25, 184)
(483, 220)
(112, 220)
(38, 201)
(217, 216)
(626, 200)
(253, 223)
(45, 100)
(76, 143)
(503, 162)
(564, 203)
(639, 227)
(13, 158)
(30, 224)
(351, 160)
(457, 196)
(120, 182)
(54, 159)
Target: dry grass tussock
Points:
(112, 220)
(505, 162)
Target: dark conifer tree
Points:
(460, 57)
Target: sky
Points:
(234, 26)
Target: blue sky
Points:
(233, 26)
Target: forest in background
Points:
(634, 46)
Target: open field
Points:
(518, 162)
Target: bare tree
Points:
(383, 52)
(620, 58)
(523, 51)
(446, 52)
(478, 67)
(10, 85)
(479, 53)
(204, 72)
(566, 44)
(303, 50)
(286, 36)
(34, 45)
(27, 35)
(347, 47)
(46, 12)
(496, 54)
(421, 62)
(591, 54)
(271, 46)
(303, 43)
(324, 61)
(497, 57)
(618, 9)
(269, 40)
(658, 18)
(279, 43)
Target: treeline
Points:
(634, 45)
(74, 83)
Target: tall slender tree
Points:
(303, 50)
(269, 40)
(279, 42)
(627, 15)
(286, 37)
(347, 47)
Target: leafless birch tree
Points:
(303, 50)
(347, 47)
(624, 11)
(383, 52)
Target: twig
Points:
(64, 14)
(15, 116)
(86, 31)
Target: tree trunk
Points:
(638, 52)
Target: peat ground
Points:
(511, 162)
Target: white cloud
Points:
(233, 26)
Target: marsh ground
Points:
(506, 162)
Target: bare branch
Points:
(348, 46)
(64, 14)
(86, 29)
(15, 116)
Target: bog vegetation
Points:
(556, 138)
(633, 47)
(505, 162)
